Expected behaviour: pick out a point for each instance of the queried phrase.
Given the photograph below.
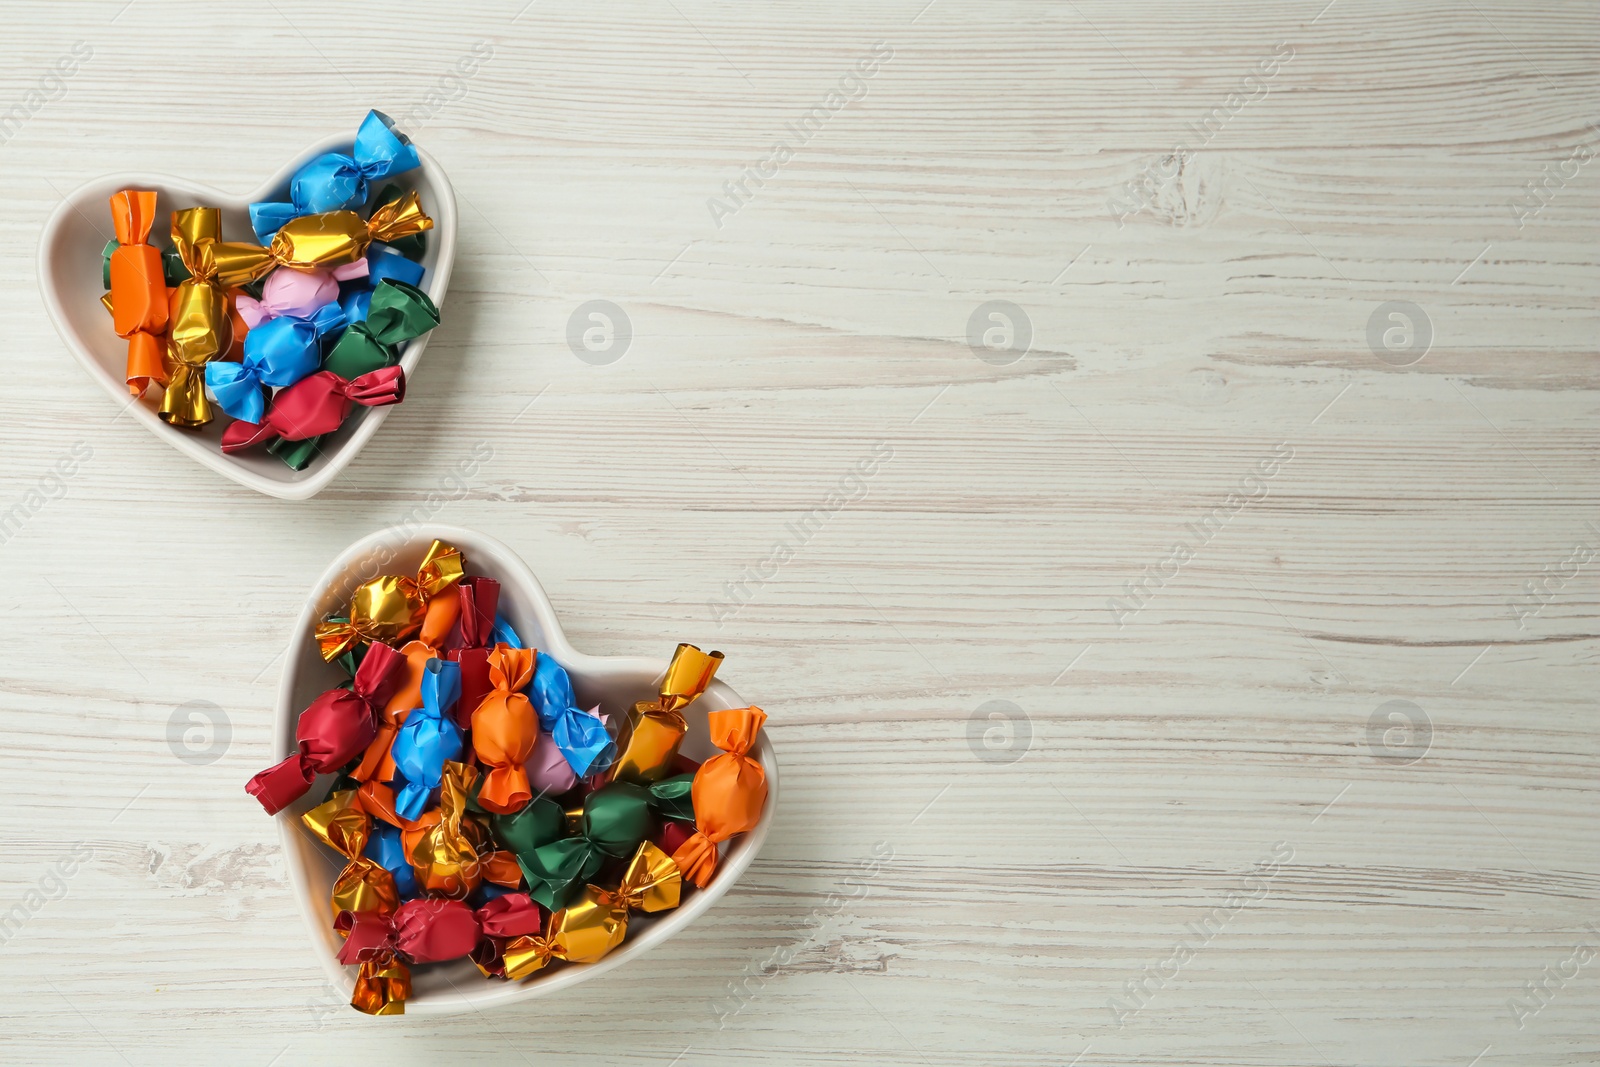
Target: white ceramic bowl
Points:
(69, 279)
(613, 682)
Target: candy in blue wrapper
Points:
(581, 737)
(334, 181)
(427, 739)
(355, 305)
(503, 634)
(278, 352)
(384, 262)
(386, 848)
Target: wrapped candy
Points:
(334, 730)
(344, 826)
(445, 847)
(730, 792)
(470, 641)
(199, 328)
(648, 742)
(596, 921)
(428, 738)
(277, 353)
(386, 849)
(538, 823)
(171, 266)
(384, 263)
(393, 606)
(297, 294)
(504, 729)
(137, 280)
(580, 735)
(398, 313)
(549, 773)
(334, 238)
(425, 930)
(316, 405)
(335, 180)
(613, 822)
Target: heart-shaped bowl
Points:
(613, 682)
(69, 279)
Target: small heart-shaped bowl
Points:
(69, 279)
(612, 682)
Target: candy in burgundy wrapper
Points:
(137, 281)
(316, 405)
(427, 739)
(473, 634)
(277, 353)
(504, 729)
(648, 741)
(580, 735)
(334, 730)
(730, 791)
(398, 313)
(392, 607)
(337, 180)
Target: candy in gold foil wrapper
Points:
(198, 326)
(392, 606)
(334, 238)
(525, 955)
(342, 823)
(383, 986)
(648, 741)
(444, 850)
(597, 921)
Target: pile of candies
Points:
(292, 331)
(482, 813)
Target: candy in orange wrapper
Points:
(730, 791)
(442, 614)
(648, 741)
(138, 285)
(394, 606)
(504, 729)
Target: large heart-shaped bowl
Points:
(69, 279)
(612, 682)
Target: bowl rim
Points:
(443, 211)
(510, 570)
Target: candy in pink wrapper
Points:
(335, 729)
(297, 294)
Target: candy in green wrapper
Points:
(616, 818)
(399, 312)
(296, 454)
(538, 824)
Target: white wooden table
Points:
(1192, 748)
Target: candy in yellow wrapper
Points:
(341, 823)
(392, 606)
(648, 742)
(597, 921)
(334, 238)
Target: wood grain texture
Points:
(1223, 725)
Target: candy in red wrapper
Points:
(425, 930)
(512, 915)
(335, 729)
(480, 599)
(316, 405)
